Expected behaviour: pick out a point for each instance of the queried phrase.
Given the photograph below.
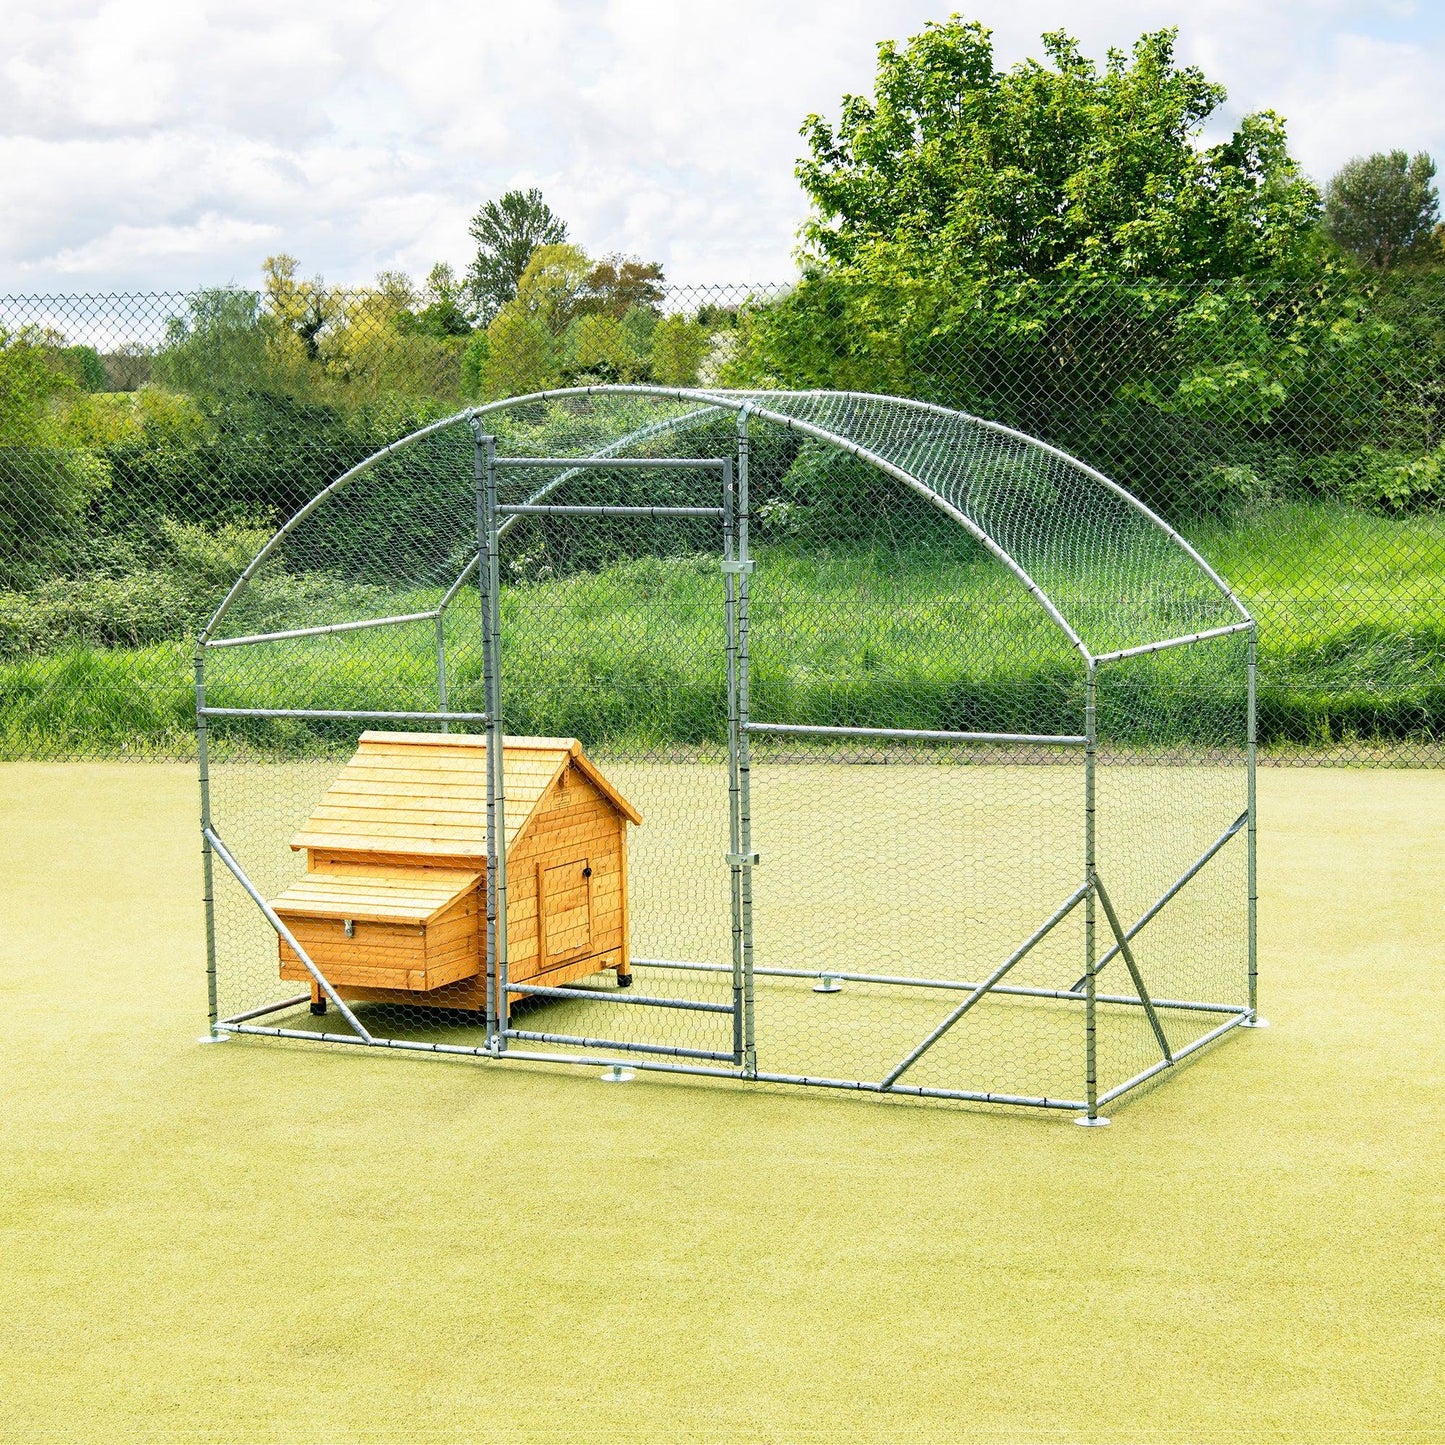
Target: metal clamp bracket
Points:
(738, 567)
(743, 860)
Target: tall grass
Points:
(633, 653)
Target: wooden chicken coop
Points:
(392, 906)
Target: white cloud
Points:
(146, 143)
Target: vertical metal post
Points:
(496, 739)
(1091, 748)
(442, 667)
(1251, 747)
(484, 463)
(207, 863)
(735, 883)
(745, 807)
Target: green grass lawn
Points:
(267, 1243)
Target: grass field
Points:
(256, 1243)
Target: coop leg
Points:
(318, 1000)
(624, 975)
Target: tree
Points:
(1382, 208)
(507, 232)
(522, 355)
(955, 170)
(552, 285)
(524, 348)
(678, 348)
(444, 312)
(618, 283)
(46, 482)
(303, 307)
(220, 345)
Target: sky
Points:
(150, 146)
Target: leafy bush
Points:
(131, 605)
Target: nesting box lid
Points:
(425, 794)
(414, 896)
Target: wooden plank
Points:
(352, 784)
(348, 859)
(377, 910)
(438, 976)
(428, 881)
(400, 845)
(586, 765)
(340, 974)
(386, 823)
(466, 934)
(385, 766)
(522, 742)
(360, 902)
(414, 819)
(323, 950)
(521, 780)
(576, 837)
(624, 941)
(404, 803)
(547, 821)
(383, 970)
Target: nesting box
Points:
(393, 902)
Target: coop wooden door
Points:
(564, 911)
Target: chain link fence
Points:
(1293, 431)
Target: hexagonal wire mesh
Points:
(944, 767)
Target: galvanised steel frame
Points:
(492, 520)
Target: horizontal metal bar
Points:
(600, 995)
(613, 464)
(918, 1091)
(652, 1066)
(667, 1050)
(475, 1051)
(270, 1008)
(532, 1056)
(917, 734)
(1153, 910)
(1020, 990)
(544, 509)
(320, 631)
(1036, 937)
(1173, 642)
(341, 714)
(1163, 1064)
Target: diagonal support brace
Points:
(1174, 888)
(1133, 967)
(1055, 918)
(273, 918)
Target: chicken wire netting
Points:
(855, 664)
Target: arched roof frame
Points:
(756, 404)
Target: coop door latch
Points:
(744, 860)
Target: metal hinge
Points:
(738, 567)
(744, 860)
